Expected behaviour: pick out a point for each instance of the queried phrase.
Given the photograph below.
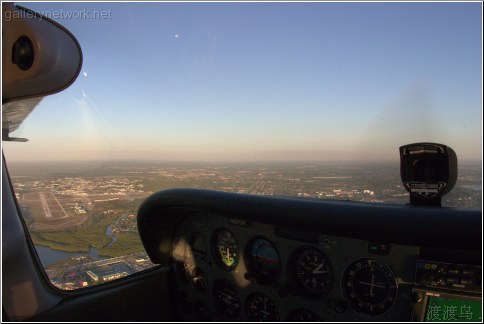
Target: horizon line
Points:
(473, 161)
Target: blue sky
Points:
(264, 81)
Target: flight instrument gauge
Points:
(370, 286)
(197, 242)
(226, 249)
(311, 272)
(263, 261)
(226, 298)
(260, 308)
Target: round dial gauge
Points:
(197, 242)
(260, 308)
(303, 315)
(226, 298)
(263, 261)
(226, 249)
(370, 286)
(312, 272)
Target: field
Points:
(92, 231)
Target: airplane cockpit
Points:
(235, 257)
(230, 256)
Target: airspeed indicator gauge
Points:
(226, 249)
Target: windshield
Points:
(288, 99)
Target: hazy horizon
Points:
(215, 164)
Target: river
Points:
(109, 231)
(50, 256)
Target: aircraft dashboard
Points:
(251, 258)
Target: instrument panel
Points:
(232, 269)
(236, 257)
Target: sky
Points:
(263, 82)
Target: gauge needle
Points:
(318, 269)
(229, 261)
(371, 284)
